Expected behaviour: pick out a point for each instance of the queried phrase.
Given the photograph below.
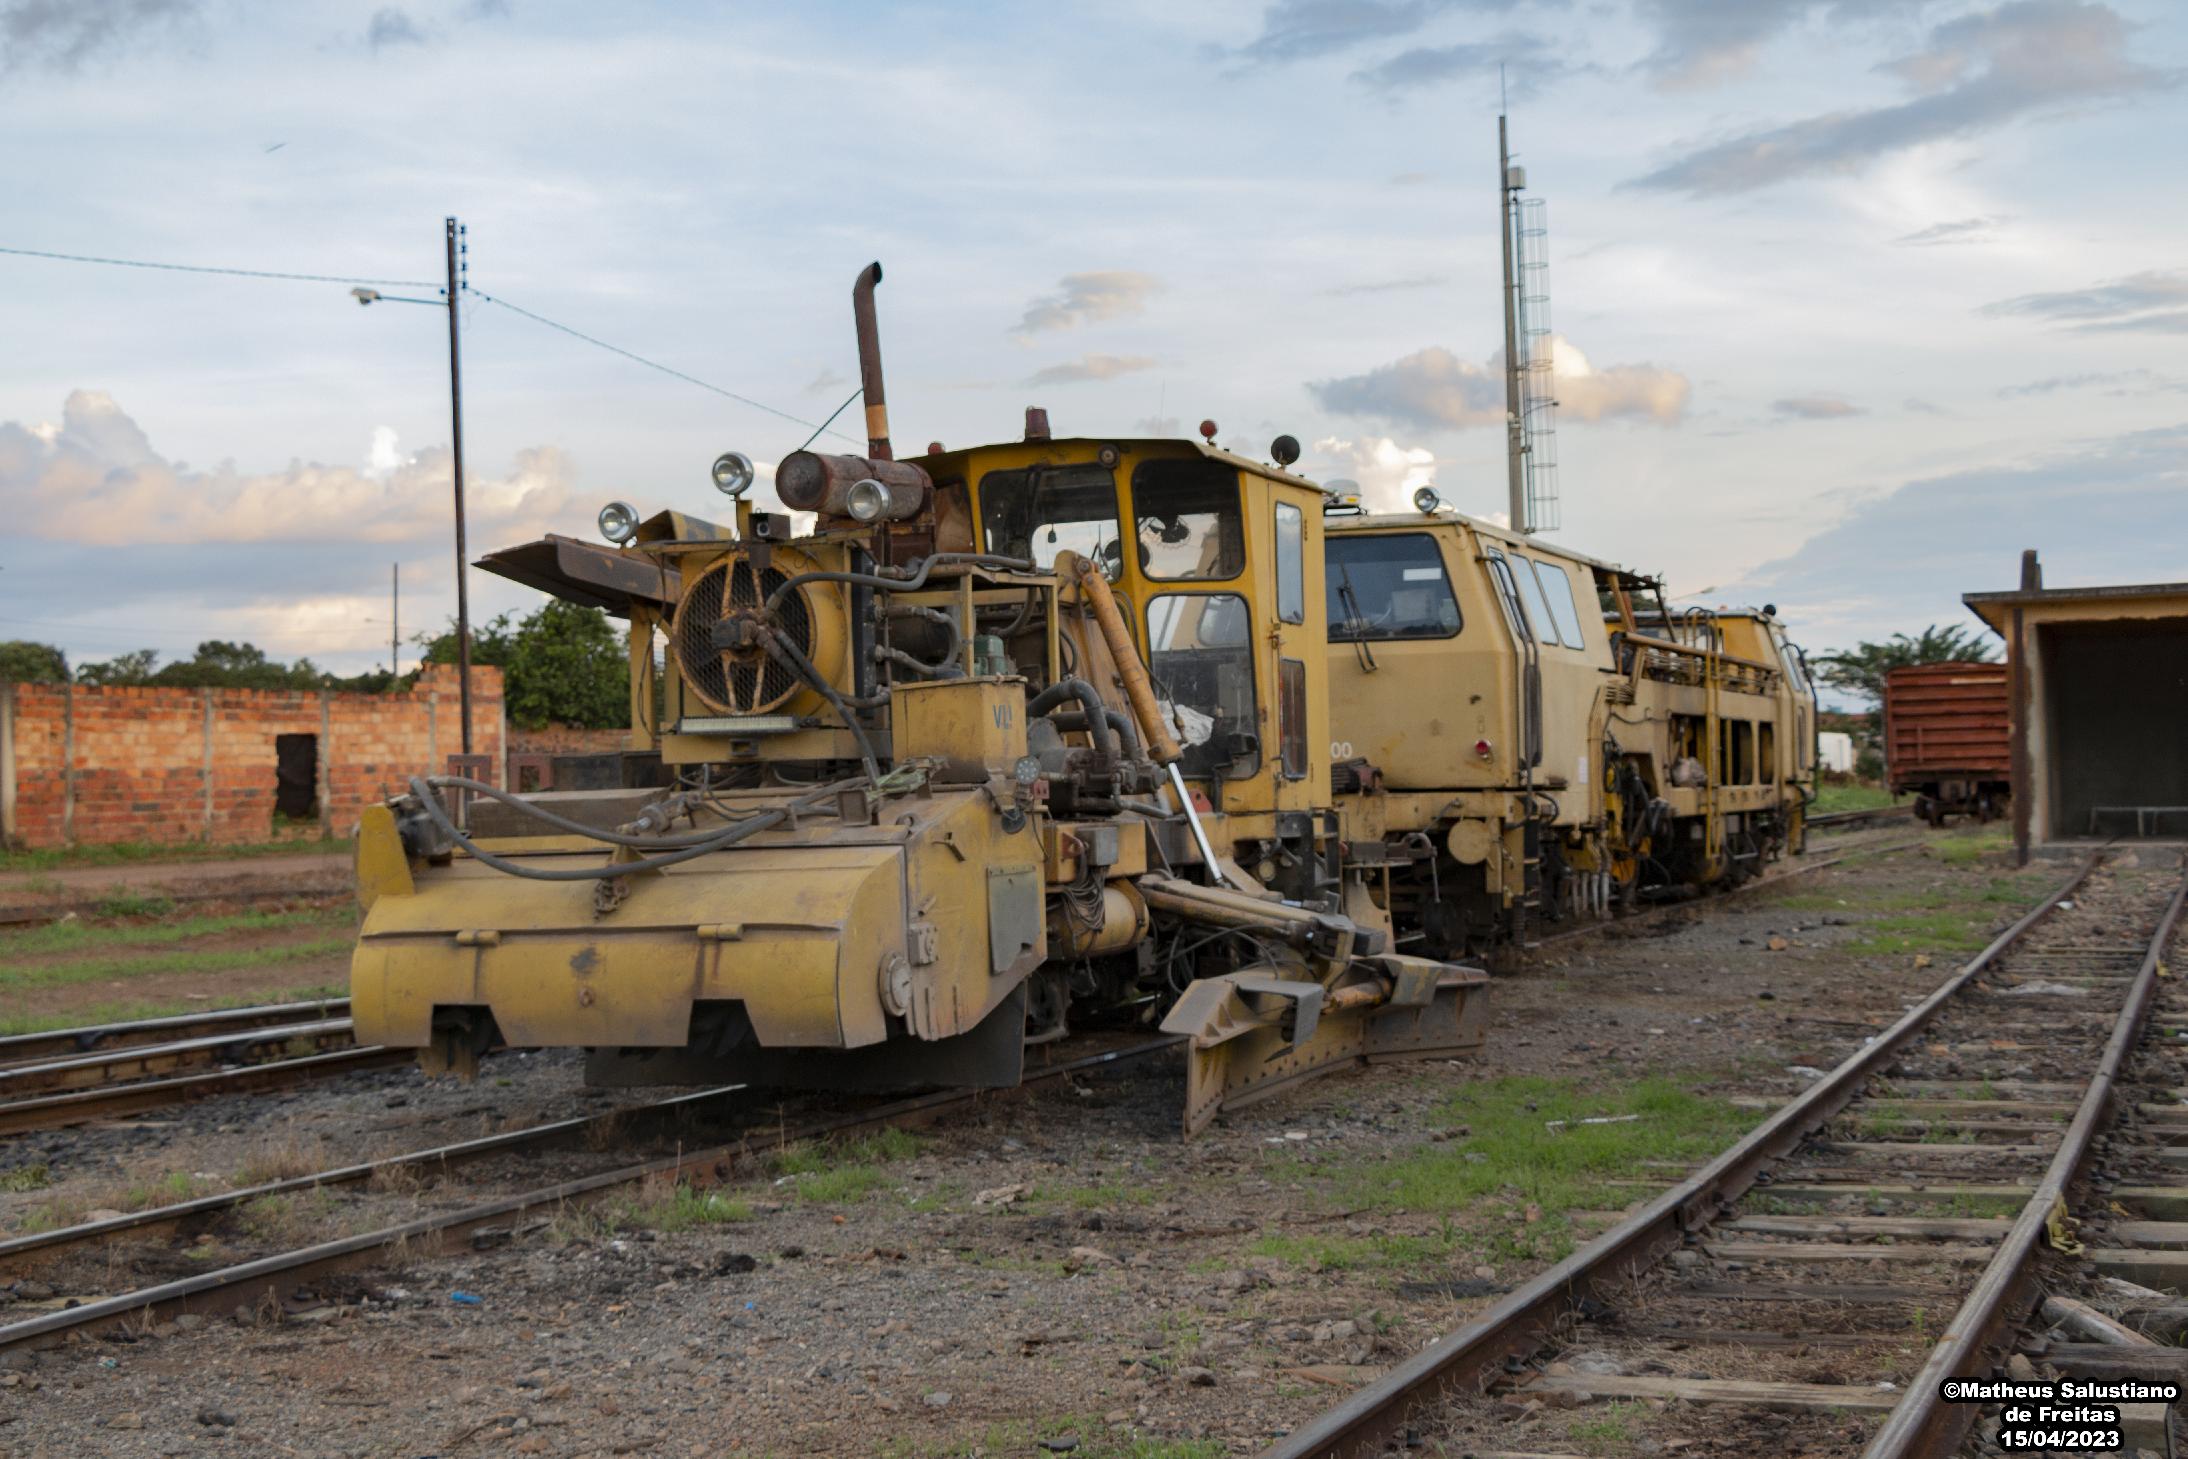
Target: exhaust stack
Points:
(869, 363)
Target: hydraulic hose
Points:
(1128, 733)
(906, 580)
(786, 653)
(422, 787)
(564, 823)
(1097, 713)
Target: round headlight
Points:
(732, 473)
(618, 522)
(1425, 500)
(867, 499)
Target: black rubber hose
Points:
(1128, 733)
(911, 580)
(564, 823)
(790, 657)
(1097, 723)
(728, 837)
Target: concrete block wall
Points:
(86, 766)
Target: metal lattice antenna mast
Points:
(1515, 436)
(1538, 371)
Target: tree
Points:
(217, 664)
(120, 670)
(1861, 671)
(561, 664)
(22, 662)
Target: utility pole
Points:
(1515, 428)
(455, 416)
(394, 622)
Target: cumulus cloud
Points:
(2152, 302)
(1090, 367)
(1085, 298)
(1295, 30)
(1976, 73)
(1434, 388)
(1533, 64)
(1385, 472)
(63, 34)
(1816, 407)
(95, 479)
(1959, 230)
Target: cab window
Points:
(1291, 564)
(1188, 519)
(1557, 591)
(1387, 587)
(1201, 659)
(1530, 593)
(1040, 511)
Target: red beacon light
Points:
(1208, 431)
(1482, 748)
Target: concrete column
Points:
(8, 832)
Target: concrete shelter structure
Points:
(2099, 707)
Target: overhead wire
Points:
(200, 268)
(669, 370)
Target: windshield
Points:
(1040, 511)
(1201, 659)
(1190, 524)
(1387, 587)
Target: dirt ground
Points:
(1056, 1268)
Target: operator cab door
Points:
(1529, 656)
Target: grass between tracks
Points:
(132, 852)
(1517, 1160)
(85, 936)
(1831, 799)
(1018, 1436)
(207, 960)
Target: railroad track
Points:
(1842, 820)
(1789, 1297)
(66, 1043)
(134, 1067)
(245, 1283)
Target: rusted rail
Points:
(1839, 820)
(63, 1043)
(225, 1289)
(1497, 1343)
(145, 1061)
(54, 1111)
(1924, 1426)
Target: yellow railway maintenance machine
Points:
(1525, 735)
(1016, 737)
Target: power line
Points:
(657, 365)
(241, 273)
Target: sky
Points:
(1853, 299)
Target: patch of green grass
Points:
(686, 1209)
(1910, 932)
(1347, 1253)
(207, 960)
(132, 904)
(941, 1198)
(1968, 847)
(127, 1012)
(87, 936)
(33, 1177)
(1607, 1428)
(123, 853)
(173, 1187)
(1098, 1196)
(843, 1171)
(1831, 799)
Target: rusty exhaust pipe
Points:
(869, 362)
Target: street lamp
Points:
(450, 299)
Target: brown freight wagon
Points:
(1946, 739)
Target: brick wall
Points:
(82, 765)
(565, 739)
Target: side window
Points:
(1386, 586)
(1508, 592)
(1538, 608)
(1291, 564)
(1291, 717)
(1042, 510)
(1557, 591)
(1201, 659)
(1188, 520)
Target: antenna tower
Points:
(1530, 375)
